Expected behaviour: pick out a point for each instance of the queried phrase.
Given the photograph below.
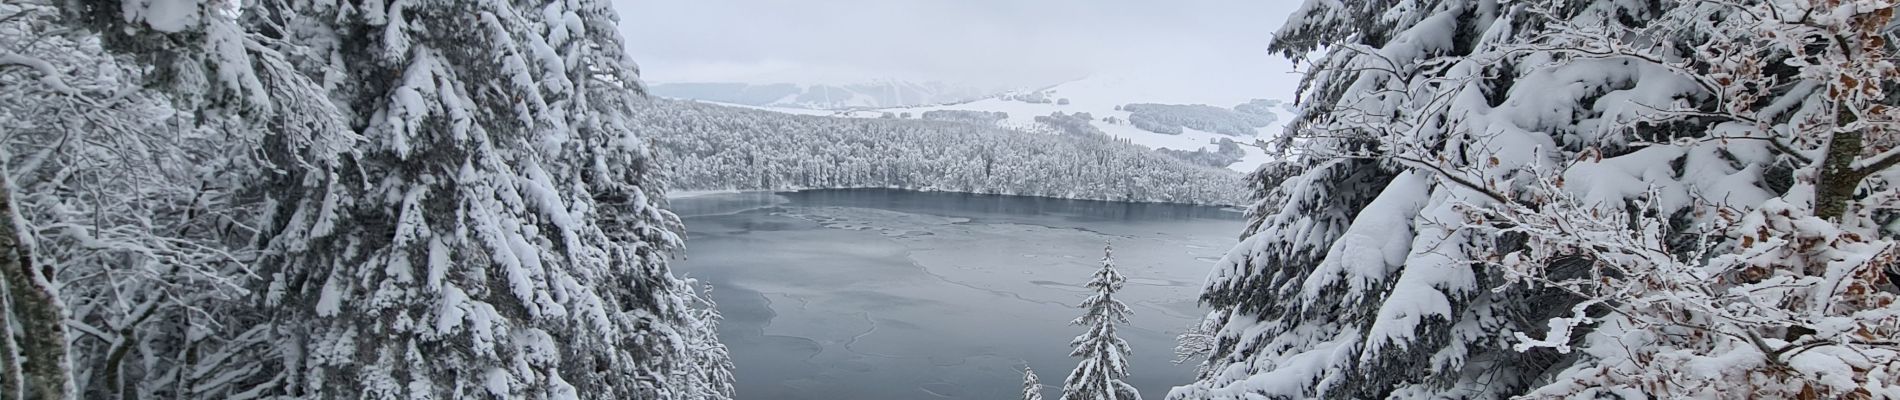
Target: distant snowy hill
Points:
(710, 146)
(1196, 119)
(825, 97)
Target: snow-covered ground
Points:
(1099, 95)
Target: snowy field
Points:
(872, 294)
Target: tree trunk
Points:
(10, 377)
(1838, 178)
(42, 323)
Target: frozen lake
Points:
(891, 295)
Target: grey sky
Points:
(986, 42)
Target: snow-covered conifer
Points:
(315, 199)
(1104, 355)
(499, 231)
(1572, 200)
(1032, 385)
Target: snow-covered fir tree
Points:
(499, 230)
(1032, 385)
(1104, 355)
(1648, 199)
(322, 200)
(712, 147)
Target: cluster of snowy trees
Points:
(1172, 118)
(866, 95)
(965, 116)
(711, 147)
(1550, 199)
(1031, 97)
(243, 200)
(1226, 152)
(1265, 108)
(1072, 124)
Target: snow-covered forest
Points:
(1479, 199)
(713, 147)
(1608, 199)
(1172, 118)
(224, 200)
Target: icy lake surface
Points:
(890, 295)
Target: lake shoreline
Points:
(687, 194)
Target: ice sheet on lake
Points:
(914, 305)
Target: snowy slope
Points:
(875, 94)
(787, 110)
(1099, 95)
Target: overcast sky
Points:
(980, 42)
